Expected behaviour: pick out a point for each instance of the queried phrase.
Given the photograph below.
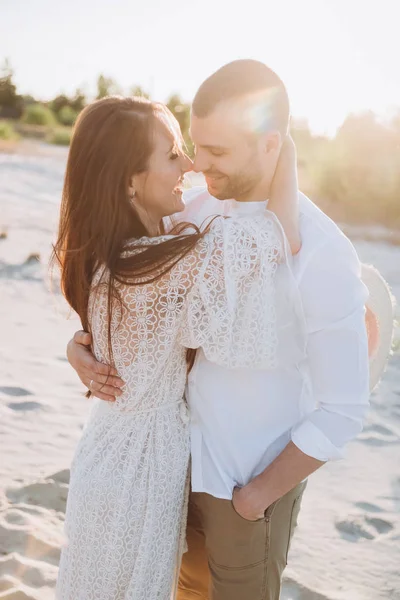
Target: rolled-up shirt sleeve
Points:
(334, 304)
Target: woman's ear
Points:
(132, 188)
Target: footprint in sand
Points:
(24, 406)
(380, 525)
(19, 533)
(16, 569)
(292, 590)
(363, 527)
(30, 270)
(60, 476)
(49, 493)
(15, 391)
(367, 507)
(379, 435)
(17, 594)
(7, 582)
(31, 537)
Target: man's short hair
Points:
(242, 78)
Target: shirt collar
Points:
(235, 208)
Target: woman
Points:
(146, 297)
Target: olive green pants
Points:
(230, 558)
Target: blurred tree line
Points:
(354, 177)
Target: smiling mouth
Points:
(214, 179)
(178, 189)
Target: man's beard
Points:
(240, 184)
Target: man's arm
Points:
(102, 380)
(333, 298)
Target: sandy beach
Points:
(347, 546)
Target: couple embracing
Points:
(230, 348)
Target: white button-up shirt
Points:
(242, 419)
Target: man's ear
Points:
(273, 142)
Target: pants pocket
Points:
(232, 541)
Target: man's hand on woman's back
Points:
(102, 380)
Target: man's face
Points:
(235, 159)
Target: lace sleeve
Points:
(231, 309)
(232, 295)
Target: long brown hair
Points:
(111, 142)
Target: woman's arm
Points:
(231, 309)
(284, 195)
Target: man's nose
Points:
(200, 163)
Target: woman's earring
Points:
(132, 195)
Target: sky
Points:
(335, 56)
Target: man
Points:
(257, 435)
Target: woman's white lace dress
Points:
(126, 507)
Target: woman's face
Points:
(158, 191)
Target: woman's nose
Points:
(187, 164)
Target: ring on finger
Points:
(91, 384)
